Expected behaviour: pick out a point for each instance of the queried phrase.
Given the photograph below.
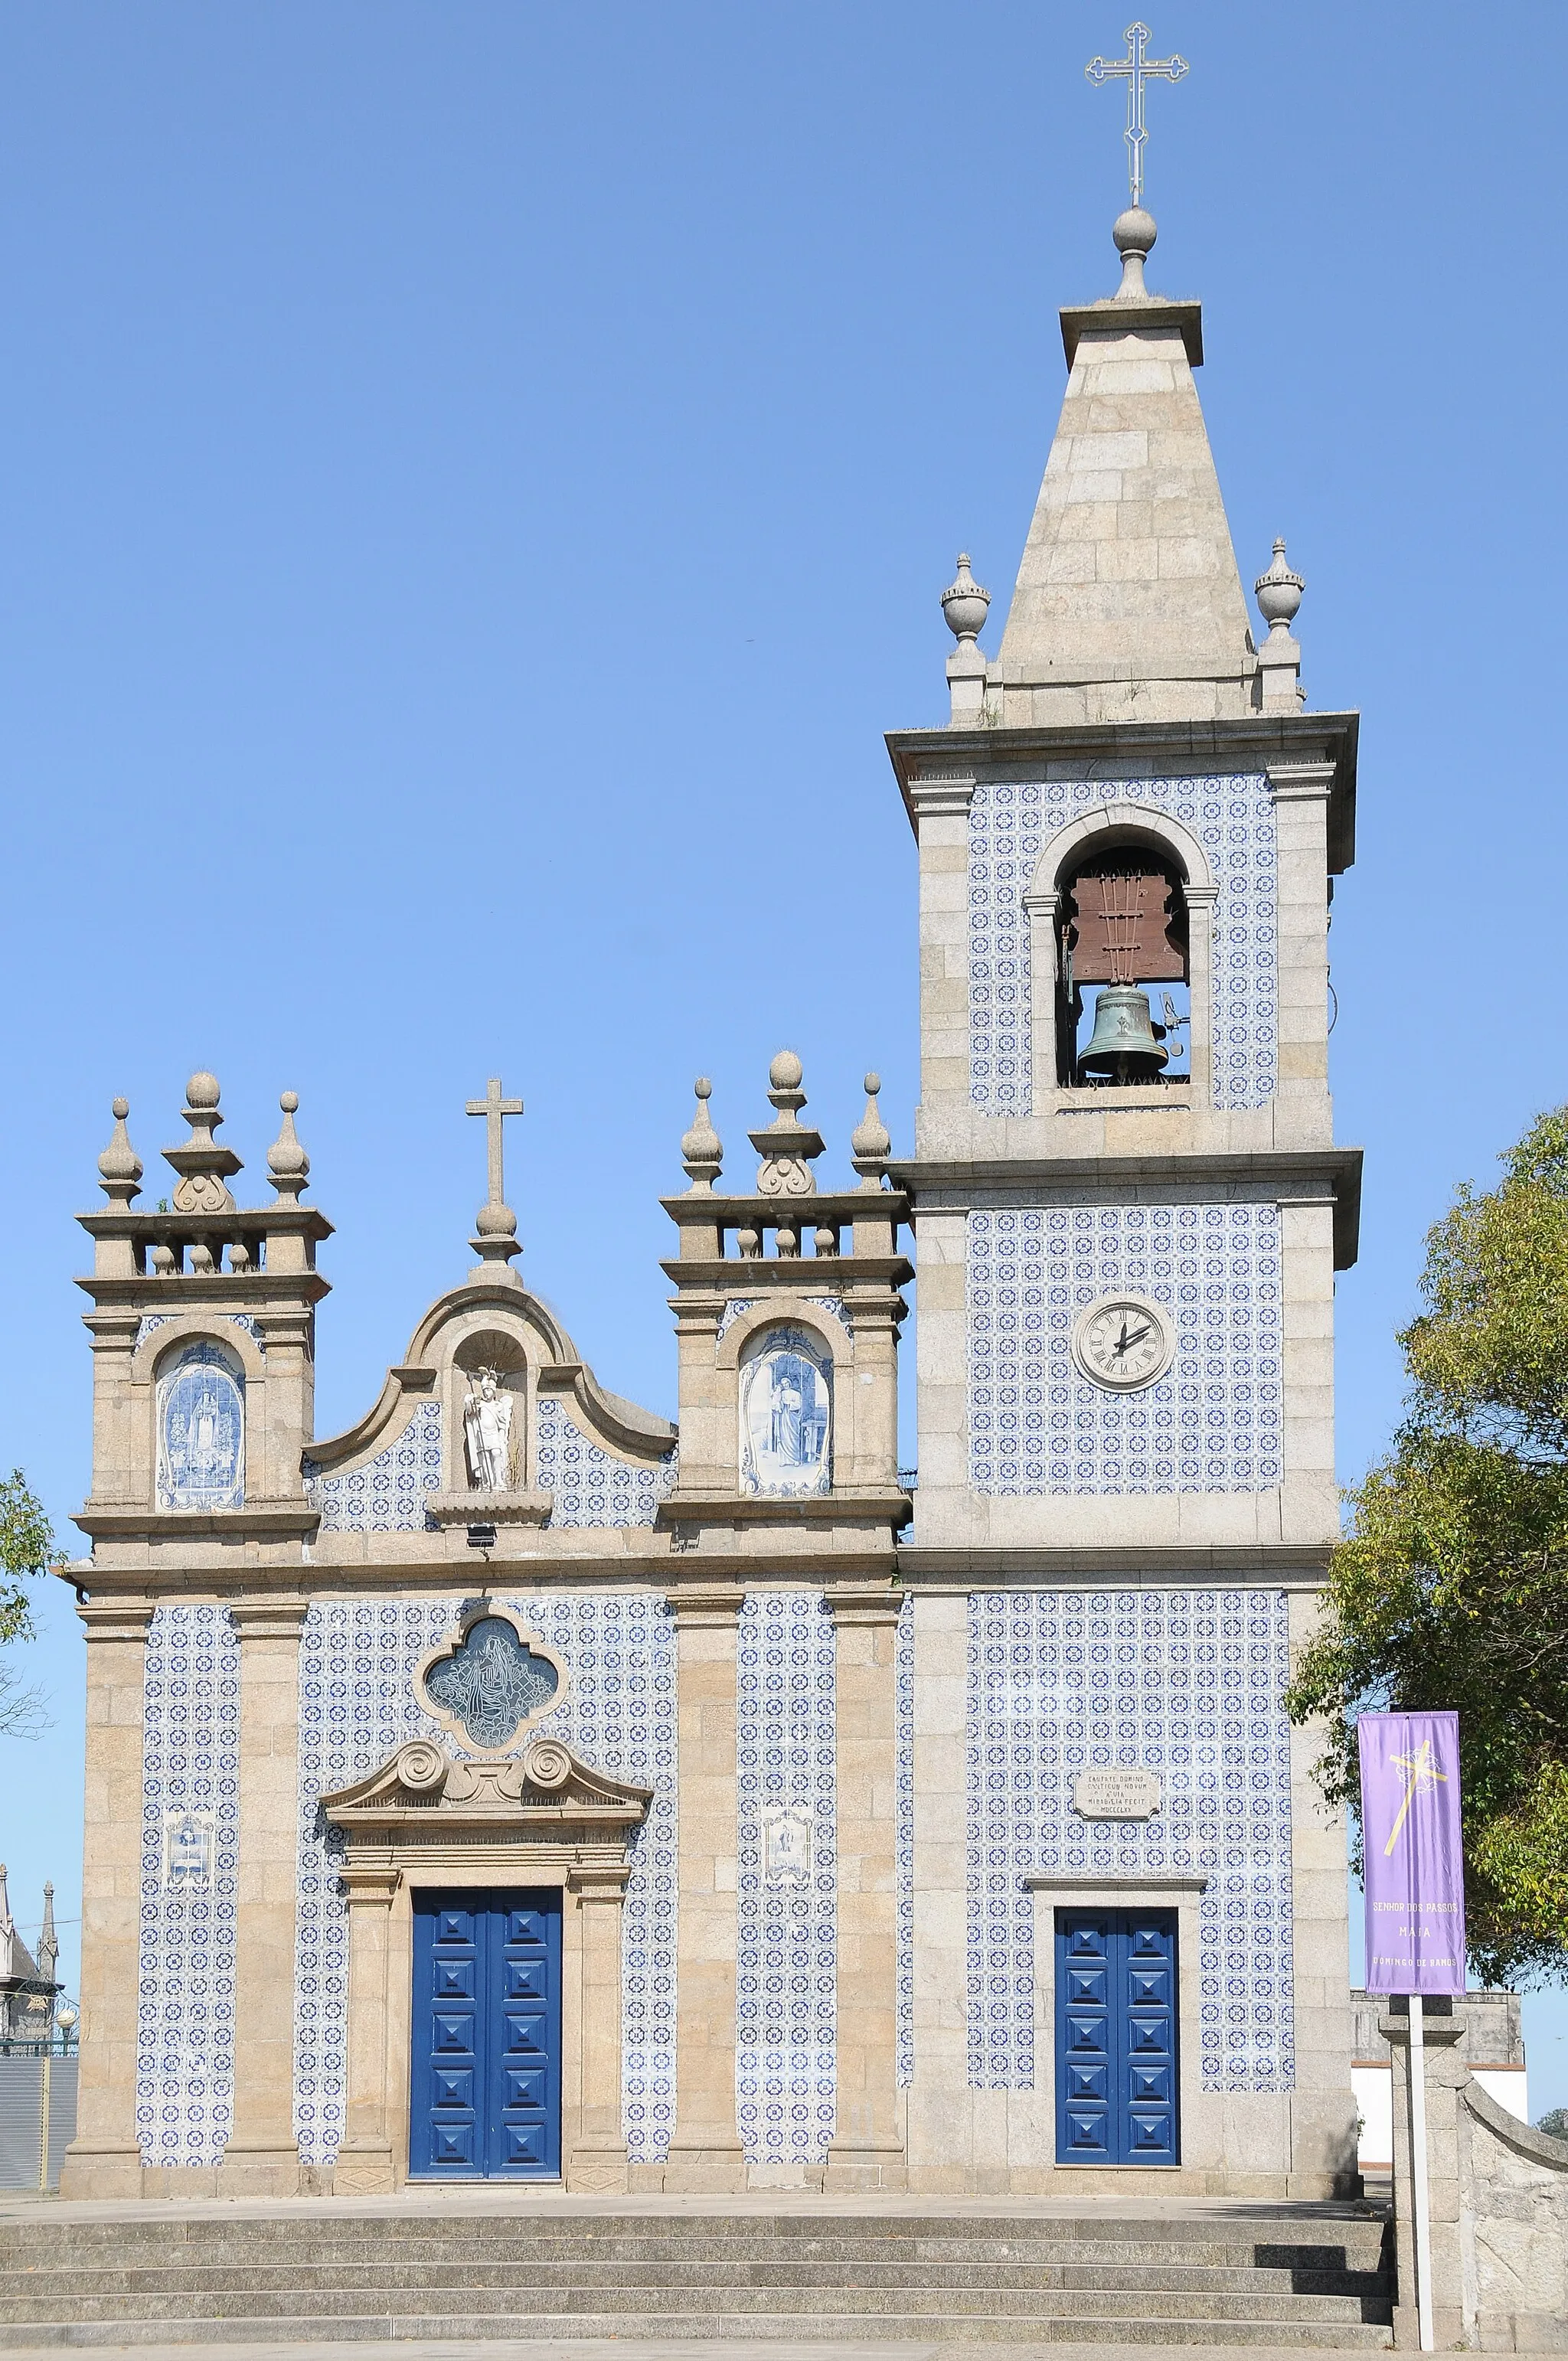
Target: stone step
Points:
(415, 2295)
(1308, 2277)
(241, 2241)
(184, 2276)
(779, 2328)
(446, 2215)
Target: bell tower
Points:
(1128, 834)
(1129, 1209)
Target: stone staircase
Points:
(1309, 2275)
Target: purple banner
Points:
(1415, 1860)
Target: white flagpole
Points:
(1419, 2194)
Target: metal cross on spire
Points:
(1135, 69)
(494, 1108)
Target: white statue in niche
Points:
(486, 1429)
(785, 1417)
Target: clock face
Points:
(1122, 1343)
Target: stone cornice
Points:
(274, 1616)
(115, 1619)
(1114, 316)
(1289, 1173)
(706, 1602)
(258, 1521)
(843, 1505)
(268, 1294)
(852, 1603)
(1089, 1883)
(1016, 1565)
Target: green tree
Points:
(27, 1545)
(1450, 1586)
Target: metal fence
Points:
(38, 2112)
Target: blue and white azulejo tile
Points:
(1213, 1423)
(1008, 823)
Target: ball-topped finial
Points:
(869, 1143)
(201, 1090)
(286, 1159)
(702, 1150)
(120, 1167)
(1133, 234)
(786, 1071)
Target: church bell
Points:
(1124, 1044)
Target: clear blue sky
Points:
(475, 485)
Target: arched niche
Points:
(489, 1391)
(784, 1411)
(199, 1426)
(1134, 887)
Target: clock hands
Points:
(1124, 1343)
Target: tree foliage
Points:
(1451, 1587)
(27, 1545)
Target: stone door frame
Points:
(541, 1819)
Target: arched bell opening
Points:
(1123, 969)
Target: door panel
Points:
(1117, 2089)
(485, 2089)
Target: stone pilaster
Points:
(868, 2141)
(1446, 2070)
(705, 2153)
(1322, 2108)
(364, 2167)
(105, 2158)
(941, 2130)
(262, 2155)
(598, 2158)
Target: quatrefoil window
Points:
(490, 1682)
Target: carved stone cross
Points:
(495, 1109)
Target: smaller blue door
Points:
(484, 2090)
(1116, 2034)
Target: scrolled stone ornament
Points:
(548, 1764)
(422, 1766)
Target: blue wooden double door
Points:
(485, 2087)
(1117, 2087)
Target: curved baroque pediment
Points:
(574, 1453)
(547, 1791)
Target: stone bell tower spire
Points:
(1128, 604)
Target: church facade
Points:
(518, 1786)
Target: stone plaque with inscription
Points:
(1124, 1793)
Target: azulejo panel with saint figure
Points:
(787, 1414)
(200, 1431)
